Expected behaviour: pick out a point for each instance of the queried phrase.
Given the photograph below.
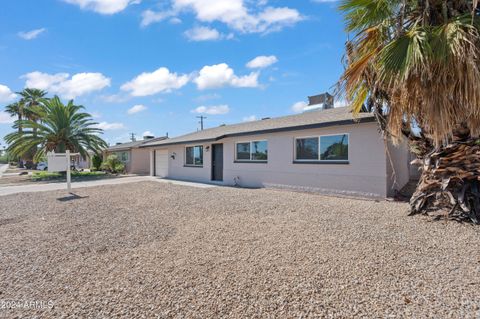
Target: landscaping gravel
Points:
(153, 250)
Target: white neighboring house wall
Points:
(365, 175)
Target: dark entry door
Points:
(217, 162)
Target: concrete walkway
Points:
(9, 190)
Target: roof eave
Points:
(267, 131)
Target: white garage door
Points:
(161, 163)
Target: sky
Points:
(152, 66)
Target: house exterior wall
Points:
(398, 167)
(139, 161)
(364, 175)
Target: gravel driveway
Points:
(147, 250)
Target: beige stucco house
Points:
(135, 159)
(326, 151)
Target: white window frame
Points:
(185, 155)
(250, 160)
(318, 137)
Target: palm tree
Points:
(17, 109)
(62, 127)
(31, 100)
(416, 64)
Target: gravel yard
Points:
(148, 249)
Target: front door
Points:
(217, 162)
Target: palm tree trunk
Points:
(20, 130)
(450, 180)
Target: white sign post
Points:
(69, 175)
(60, 162)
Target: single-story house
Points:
(327, 151)
(135, 159)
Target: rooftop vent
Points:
(321, 101)
(118, 143)
(265, 118)
(148, 137)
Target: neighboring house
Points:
(324, 150)
(135, 159)
(81, 162)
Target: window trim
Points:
(318, 160)
(236, 160)
(185, 155)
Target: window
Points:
(307, 148)
(122, 156)
(194, 155)
(334, 148)
(324, 148)
(252, 151)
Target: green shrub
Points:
(45, 176)
(113, 165)
(96, 162)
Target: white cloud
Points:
(219, 75)
(30, 35)
(147, 133)
(5, 118)
(61, 83)
(115, 98)
(299, 107)
(110, 126)
(175, 20)
(155, 82)
(203, 34)
(235, 14)
(103, 6)
(262, 62)
(212, 110)
(149, 17)
(136, 109)
(249, 118)
(6, 95)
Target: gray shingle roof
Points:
(319, 118)
(129, 145)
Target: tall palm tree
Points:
(63, 127)
(16, 109)
(31, 99)
(416, 63)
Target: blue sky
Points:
(153, 66)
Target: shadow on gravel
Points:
(71, 197)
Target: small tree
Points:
(113, 165)
(96, 162)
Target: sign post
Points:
(69, 173)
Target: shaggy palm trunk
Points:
(450, 182)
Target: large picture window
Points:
(323, 148)
(252, 151)
(194, 155)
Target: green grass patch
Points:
(45, 176)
